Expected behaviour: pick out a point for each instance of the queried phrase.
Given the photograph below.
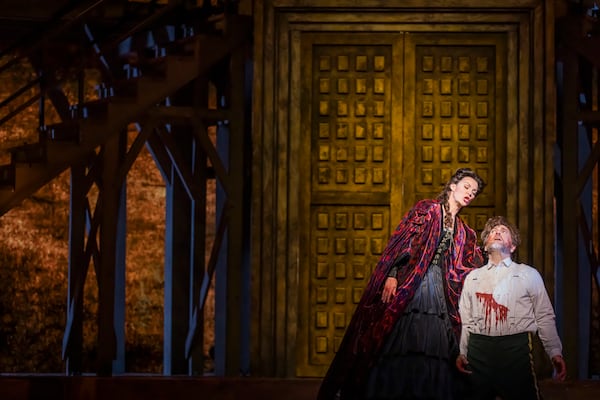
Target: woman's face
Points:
(464, 191)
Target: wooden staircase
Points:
(72, 140)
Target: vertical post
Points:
(569, 231)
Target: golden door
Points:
(386, 118)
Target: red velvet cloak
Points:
(416, 239)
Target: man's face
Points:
(499, 239)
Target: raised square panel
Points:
(360, 175)
(358, 270)
(361, 86)
(446, 64)
(361, 109)
(427, 154)
(483, 173)
(321, 321)
(464, 64)
(446, 132)
(360, 246)
(446, 86)
(377, 221)
(379, 110)
(445, 174)
(464, 132)
(340, 295)
(482, 154)
(480, 220)
(341, 221)
(445, 153)
(324, 152)
(324, 175)
(428, 109)
(342, 108)
(342, 63)
(323, 107)
(361, 131)
(377, 245)
(322, 245)
(379, 86)
(323, 130)
(482, 86)
(321, 344)
(360, 153)
(340, 270)
(426, 176)
(427, 63)
(342, 85)
(322, 294)
(361, 63)
(427, 86)
(463, 154)
(427, 132)
(464, 110)
(341, 154)
(482, 109)
(377, 130)
(322, 221)
(482, 132)
(324, 63)
(342, 131)
(324, 85)
(464, 86)
(446, 108)
(360, 221)
(341, 175)
(379, 63)
(341, 245)
(378, 176)
(356, 295)
(482, 64)
(339, 320)
(322, 270)
(378, 153)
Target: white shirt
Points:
(507, 299)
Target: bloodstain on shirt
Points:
(489, 305)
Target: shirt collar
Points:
(504, 263)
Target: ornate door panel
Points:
(455, 102)
(387, 119)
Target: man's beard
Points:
(497, 246)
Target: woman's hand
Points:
(389, 289)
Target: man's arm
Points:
(546, 324)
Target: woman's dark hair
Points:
(458, 175)
(500, 220)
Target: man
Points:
(502, 305)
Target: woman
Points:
(403, 336)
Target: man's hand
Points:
(560, 368)
(462, 363)
(389, 289)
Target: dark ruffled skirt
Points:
(417, 360)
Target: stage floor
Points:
(180, 388)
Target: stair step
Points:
(7, 177)
(69, 131)
(30, 153)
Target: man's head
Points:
(500, 235)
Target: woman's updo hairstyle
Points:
(457, 177)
